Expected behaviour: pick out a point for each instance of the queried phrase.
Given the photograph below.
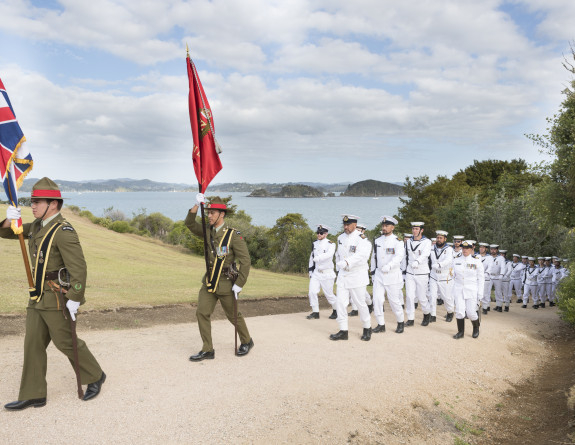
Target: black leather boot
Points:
(366, 334)
(353, 313)
(370, 307)
(506, 309)
(433, 319)
(449, 317)
(484, 311)
(416, 304)
(475, 324)
(379, 328)
(426, 318)
(313, 316)
(341, 335)
(542, 305)
(333, 315)
(460, 328)
(410, 323)
(399, 329)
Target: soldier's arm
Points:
(242, 258)
(191, 222)
(7, 232)
(70, 249)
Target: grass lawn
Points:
(129, 270)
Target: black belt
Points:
(52, 275)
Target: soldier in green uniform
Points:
(225, 248)
(57, 262)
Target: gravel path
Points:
(295, 386)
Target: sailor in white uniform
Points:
(351, 258)
(321, 272)
(441, 277)
(418, 249)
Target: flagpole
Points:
(205, 235)
(23, 248)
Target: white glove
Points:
(386, 268)
(13, 213)
(415, 264)
(200, 198)
(341, 264)
(236, 290)
(73, 308)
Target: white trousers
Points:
(443, 290)
(357, 295)
(506, 291)
(529, 289)
(516, 285)
(497, 286)
(463, 306)
(486, 293)
(394, 296)
(314, 287)
(368, 300)
(416, 288)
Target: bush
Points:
(121, 227)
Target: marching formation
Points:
(433, 271)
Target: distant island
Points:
(289, 191)
(373, 188)
(282, 190)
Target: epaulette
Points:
(67, 226)
(331, 242)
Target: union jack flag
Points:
(15, 160)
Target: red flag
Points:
(205, 155)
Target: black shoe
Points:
(488, 308)
(209, 355)
(426, 318)
(551, 304)
(333, 315)
(399, 328)
(245, 348)
(449, 317)
(23, 404)
(313, 316)
(433, 319)
(519, 300)
(506, 309)
(535, 306)
(524, 306)
(484, 311)
(370, 307)
(499, 309)
(410, 323)
(379, 328)
(93, 389)
(542, 305)
(475, 324)
(416, 304)
(403, 306)
(341, 335)
(460, 328)
(366, 334)
(439, 301)
(353, 313)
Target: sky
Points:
(310, 91)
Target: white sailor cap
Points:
(540, 258)
(417, 224)
(484, 244)
(555, 257)
(450, 244)
(407, 235)
(531, 258)
(524, 256)
(433, 240)
(361, 226)
(472, 241)
(323, 228)
(517, 255)
(389, 220)
(502, 251)
(494, 246)
(349, 219)
(547, 258)
(441, 232)
(458, 237)
(468, 243)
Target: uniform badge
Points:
(352, 249)
(472, 266)
(222, 251)
(70, 228)
(390, 251)
(41, 258)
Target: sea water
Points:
(264, 211)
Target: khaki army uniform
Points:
(45, 320)
(238, 253)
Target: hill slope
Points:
(128, 270)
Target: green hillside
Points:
(129, 270)
(373, 188)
